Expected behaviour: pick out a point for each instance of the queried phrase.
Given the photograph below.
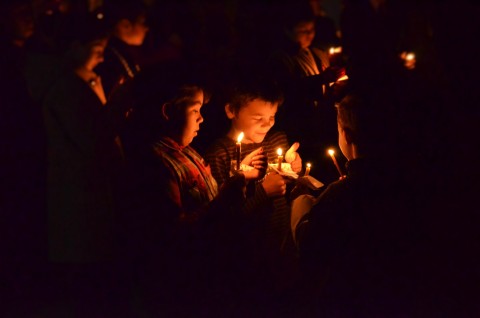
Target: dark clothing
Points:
(176, 227)
(82, 157)
(355, 244)
(308, 114)
(120, 65)
(265, 259)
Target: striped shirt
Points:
(272, 214)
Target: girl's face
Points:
(254, 119)
(94, 53)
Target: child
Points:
(175, 205)
(251, 108)
(354, 239)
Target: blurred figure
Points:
(22, 172)
(326, 35)
(122, 55)
(309, 83)
(357, 241)
(82, 162)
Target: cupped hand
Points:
(259, 161)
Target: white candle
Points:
(307, 170)
(331, 152)
(238, 149)
(280, 158)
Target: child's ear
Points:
(229, 111)
(166, 111)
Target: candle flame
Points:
(343, 78)
(309, 165)
(410, 57)
(331, 152)
(279, 151)
(240, 137)
(334, 50)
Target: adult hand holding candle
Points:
(331, 152)
(238, 149)
(280, 158)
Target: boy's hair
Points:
(367, 119)
(172, 84)
(296, 13)
(116, 11)
(251, 88)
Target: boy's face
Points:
(255, 119)
(303, 34)
(189, 123)
(136, 32)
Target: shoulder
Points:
(276, 137)
(220, 146)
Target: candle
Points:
(238, 149)
(280, 159)
(335, 50)
(331, 152)
(307, 170)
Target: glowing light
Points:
(240, 137)
(280, 158)
(331, 152)
(307, 171)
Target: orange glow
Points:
(331, 152)
(335, 50)
(279, 151)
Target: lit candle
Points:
(410, 57)
(331, 152)
(307, 170)
(238, 149)
(280, 159)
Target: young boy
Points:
(175, 205)
(353, 239)
(251, 108)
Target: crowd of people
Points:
(139, 143)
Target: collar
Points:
(170, 143)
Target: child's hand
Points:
(274, 185)
(293, 158)
(259, 161)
